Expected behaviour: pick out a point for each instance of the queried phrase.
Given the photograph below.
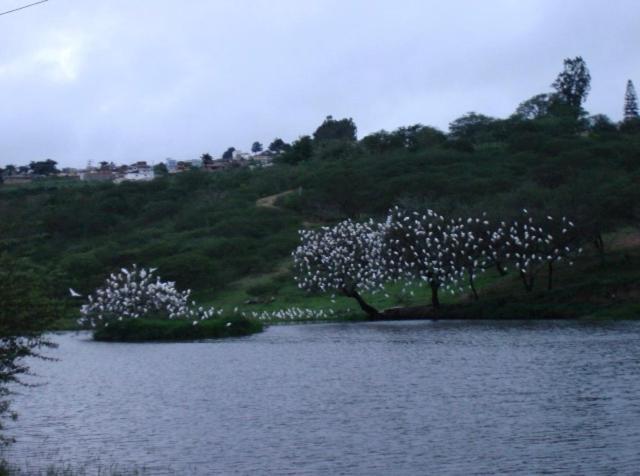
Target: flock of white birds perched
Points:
(135, 293)
(426, 248)
(411, 247)
(138, 293)
(293, 314)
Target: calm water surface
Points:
(381, 398)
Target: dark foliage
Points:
(332, 129)
(26, 308)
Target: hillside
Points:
(212, 232)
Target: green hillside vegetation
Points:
(216, 234)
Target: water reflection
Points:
(443, 397)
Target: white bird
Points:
(74, 293)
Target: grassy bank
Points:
(143, 330)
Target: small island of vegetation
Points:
(136, 305)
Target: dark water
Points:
(381, 398)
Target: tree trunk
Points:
(599, 244)
(500, 269)
(435, 301)
(371, 311)
(473, 287)
(527, 281)
(550, 281)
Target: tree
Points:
(419, 137)
(534, 108)
(228, 154)
(10, 170)
(562, 245)
(46, 167)
(420, 247)
(345, 258)
(630, 103)
(278, 146)
(206, 159)
(331, 129)
(532, 244)
(472, 127)
(300, 150)
(382, 141)
(256, 147)
(481, 245)
(26, 308)
(601, 124)
(573, 84)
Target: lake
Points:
(445, 397)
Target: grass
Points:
(144, 330)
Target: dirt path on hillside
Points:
(270, 201)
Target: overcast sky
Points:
(124, 80)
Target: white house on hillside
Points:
(139, 175)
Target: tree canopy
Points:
(278, 146)
(472, 127)
(534, 108)
(573, 84)
(332, 129)
(301, 149)
(228, 154)
(206, 158)
(44, 167)
(630, 102)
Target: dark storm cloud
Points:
(120, 80)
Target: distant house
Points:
(69, 174)
(139, 175)
(239, 155)
(216, 165)
(97, 175)
(20, 179)
(138, 172)
(183, 166)
(263, 159)
(172, 165)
